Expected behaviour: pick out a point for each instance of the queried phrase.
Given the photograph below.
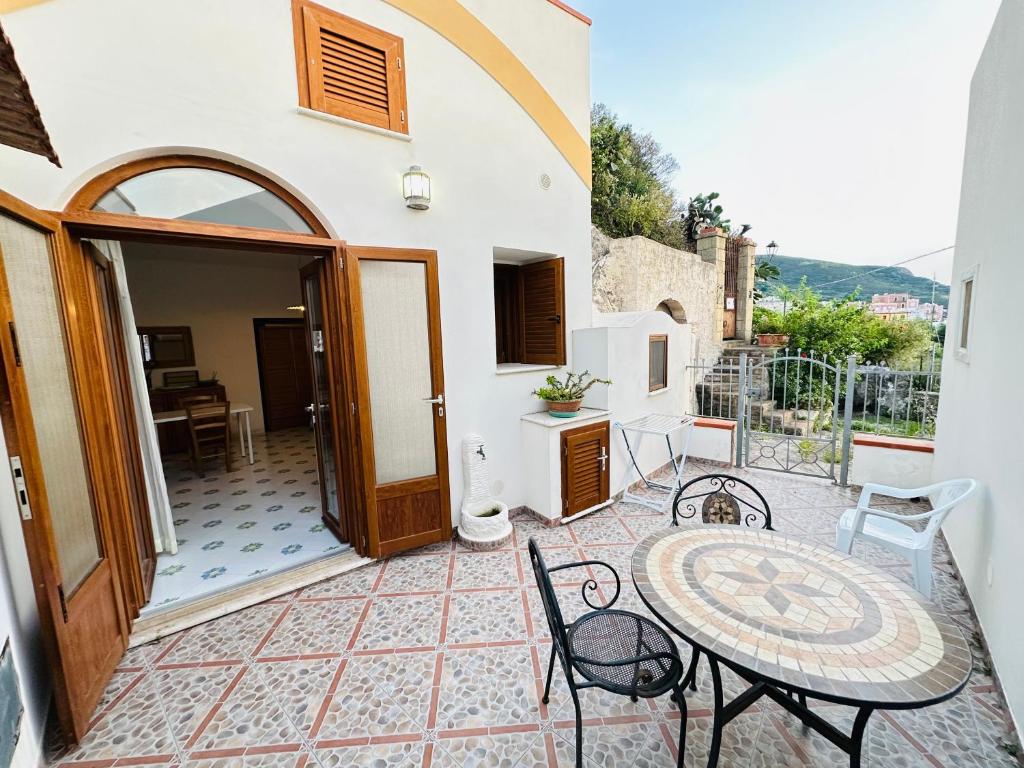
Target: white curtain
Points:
(156, 486)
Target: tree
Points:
(632, 192)
(702, 211)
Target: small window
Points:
(529, 304)
(657, 362)
(349, 69)
(963, 341)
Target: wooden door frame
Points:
(258, 324)
(370, 489)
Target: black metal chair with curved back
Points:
(725, 503)
(618, 651)
(728, 500)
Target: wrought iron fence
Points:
(896, 402)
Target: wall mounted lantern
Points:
(416, 188)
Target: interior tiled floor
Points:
(258, 519)
(436, 659)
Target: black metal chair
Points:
(615, 650)
(725, 502)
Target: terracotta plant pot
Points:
(564, 409)
(772, 339)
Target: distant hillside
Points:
(887, 280)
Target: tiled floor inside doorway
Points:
(257, 520)
(436, 659)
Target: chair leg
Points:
(681, 701)
(551, 669)
(579, 727)
(844, 539)
(922, 565)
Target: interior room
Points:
(221, 338)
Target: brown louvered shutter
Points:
(584, 467)
(352, 70)
(542, 312)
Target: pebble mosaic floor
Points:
(257, 520)
(436, 658)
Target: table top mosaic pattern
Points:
(801, 615)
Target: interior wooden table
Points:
(798, 620)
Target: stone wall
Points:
(633, 274)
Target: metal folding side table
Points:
(663, 426)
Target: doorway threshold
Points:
(167, 621)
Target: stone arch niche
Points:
(673, 309)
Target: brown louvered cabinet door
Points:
(585, 457)
(542, 312)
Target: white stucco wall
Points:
(616, 348)
(132, 79)
(980, 421)
(19, 623)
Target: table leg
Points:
(241, 435)
(690, 678)
(718, 721)
(248, 435)
(857, 737)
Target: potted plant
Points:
(564, 398)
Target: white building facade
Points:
(978, 422)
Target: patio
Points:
(436, 658)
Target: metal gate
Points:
(789, 419)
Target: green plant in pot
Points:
(564, 398)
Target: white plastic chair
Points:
(891, 531)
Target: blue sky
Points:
(835, 127)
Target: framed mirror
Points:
(166, 346)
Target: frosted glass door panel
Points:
(395, 319)
(54, 413)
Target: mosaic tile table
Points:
(796, 619)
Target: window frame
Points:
(652, 386)
(964, 329)
(305, 16)
(516, 342)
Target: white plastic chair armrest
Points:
(871, 489)
(894, 515)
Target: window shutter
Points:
(584, 472)
(542, 312)
(353, 70)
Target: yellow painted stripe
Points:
(467, 33)
(6, 6)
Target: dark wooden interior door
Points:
(137, 563)
(397, 351)
(65, 502)
(286, 384)
(584, 467)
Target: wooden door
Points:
(286, 384)
(137, 547)
(584, 467)
(65, 502)
(396, 327)
(732, 268)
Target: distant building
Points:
(903, 306)
(773, 303)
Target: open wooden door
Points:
(54, 456)
(332, 403)
(396, 327)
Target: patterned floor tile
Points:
(403, 755)
(485, 569)
(498, 751)
(428, 573)
(363, 708)
(314, 627)
(257, 519)
(300, 685)
(188, 695)
(230, 637)
(486, 687)
(402, 622)
(486, 617)
(249, 716)
(358, 581)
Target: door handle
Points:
(603, 458)
(555, 319)
(309, 408)
(439, 400)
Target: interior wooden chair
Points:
(618, 651)
(195, 399)
(209, 428)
